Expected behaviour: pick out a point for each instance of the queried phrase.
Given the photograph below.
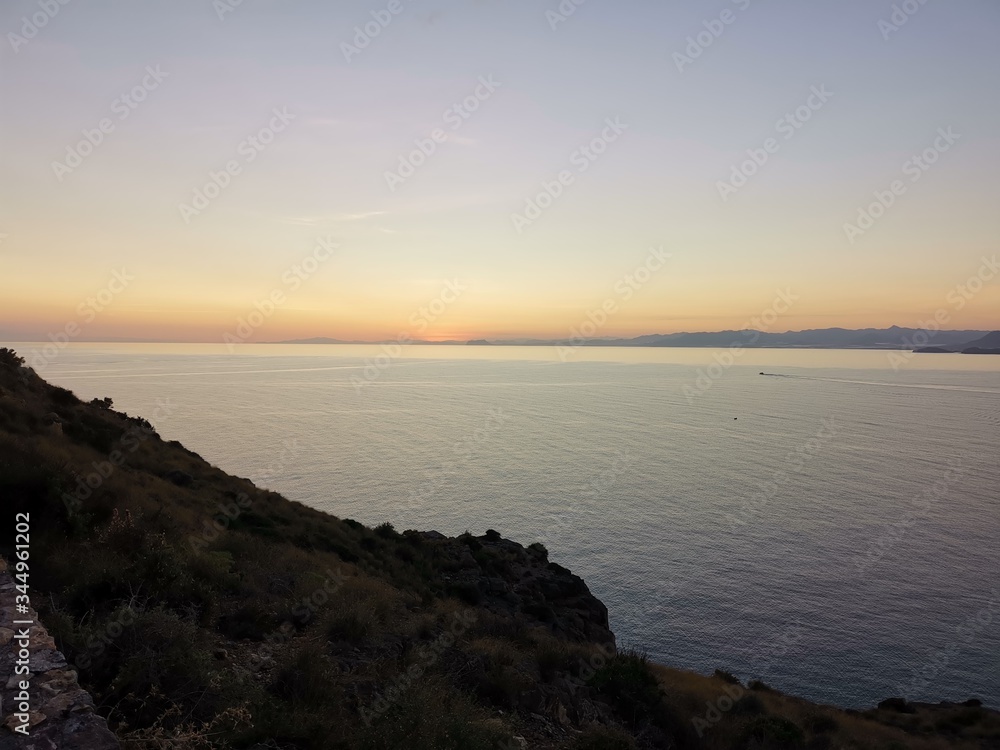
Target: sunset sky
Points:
(180, 88)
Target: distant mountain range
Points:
(818, 338)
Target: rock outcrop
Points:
(61, 714)
(506, 578)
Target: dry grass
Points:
(690, 694)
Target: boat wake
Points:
(883, 384)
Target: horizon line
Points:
(505, 341)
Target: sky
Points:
(267, 170)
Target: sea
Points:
(825, 521)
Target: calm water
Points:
(831, 529)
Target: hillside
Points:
(988, 344)
(202, 612)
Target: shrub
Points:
(553, 657)
(432, 716)
(252, 621)
(342, 552)
(100, 434)
(215, 569)
(159, 655)
(541, 610)
(413, 537)
(969, 717)
(627, 681)
(501, 686)
(468, 592)
(254, 523)
(385, 530)
(771, 732)
(539, 549)
(749, 705)
(305, 678)
(9, 358)
(63, 397)
(820, 723)
(513, 629)
(348, 626)
(897, 704)
(473, 544)
(727, 677)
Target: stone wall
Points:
(62, 714)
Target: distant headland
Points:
(988, 344)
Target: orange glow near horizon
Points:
(173, 322)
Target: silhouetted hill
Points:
(988, 344)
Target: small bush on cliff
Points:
(348, 626)
(820, 723)
(554, 657)
(467, 591)
(539, 549)
(727, 677)
(252, 621)
(471, 542)
(627, 681)
(432, 715)
(773, 733)
(502, 686)
(749, 705)
(9, 358)
(305, 678)
(63, 397)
